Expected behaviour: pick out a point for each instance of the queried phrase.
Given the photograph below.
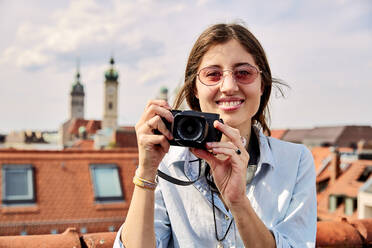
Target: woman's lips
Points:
(229, 105)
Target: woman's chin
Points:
(235, 122)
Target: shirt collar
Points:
(266, 155)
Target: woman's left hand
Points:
(228, 165)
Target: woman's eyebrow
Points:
(218, 66)
(241, 63)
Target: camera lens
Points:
(190, 129)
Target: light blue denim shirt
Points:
(282, 193)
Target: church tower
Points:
(110, 108)
(77, 98)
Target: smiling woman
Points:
(238, 197)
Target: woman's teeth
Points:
(230, 104)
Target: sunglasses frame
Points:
(232, 72)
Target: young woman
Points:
(259, 193)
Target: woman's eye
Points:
(243, 73)
(213, 74)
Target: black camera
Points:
(193, 129)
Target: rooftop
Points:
(342, 233)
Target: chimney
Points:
(360, 146)
(335, 165)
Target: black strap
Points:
(254, 153)
(215, 223)
(177, 181)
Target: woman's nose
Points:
(228, 83)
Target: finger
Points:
(207, 156)
(210, 145)
(158, 102)
(228, 145)
(227, 151)
(232, 133)
(153, 110)
(153, 141)
(157, 123)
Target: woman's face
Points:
(236, 103)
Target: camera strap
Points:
(180, 182)
(253, 150)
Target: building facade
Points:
(44, 192)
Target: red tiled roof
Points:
(319, 155)
(91, 126)
(356, 233)
(69, 238)
(344, 233)
(65, 191)
(83, 145)
(347, 183)
(125, 137)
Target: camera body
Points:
(193, 128)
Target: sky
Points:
(321, 48)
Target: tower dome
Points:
(111, 74)
(164, 90)
(77, 87)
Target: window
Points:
(350, 205)
(18, 184)
(106, 182)
(334, 202)
(365, 174)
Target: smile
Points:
(229, 105)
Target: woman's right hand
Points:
(152, 147)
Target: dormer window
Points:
(350, 205)
(18, 184)
(334, 202)
(106, 182)
(365, 174)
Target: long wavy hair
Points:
(220, 34)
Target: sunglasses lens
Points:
(210, 76)
(245, 74)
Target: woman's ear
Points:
(196, 93)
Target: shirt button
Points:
(227, 217)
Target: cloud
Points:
(321, 48)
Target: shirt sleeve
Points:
(163, 231)
(117, 241)
(161, 224)
(298, 228)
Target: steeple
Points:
(77, 87)
(77, 97)
(111, 74)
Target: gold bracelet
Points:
(143, 183)
(144, 180)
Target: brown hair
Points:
(219, 34)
